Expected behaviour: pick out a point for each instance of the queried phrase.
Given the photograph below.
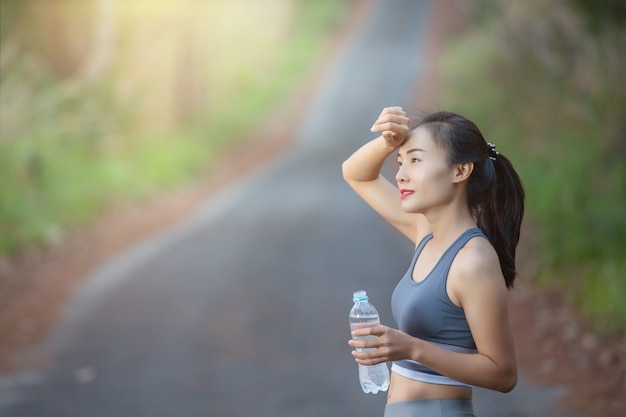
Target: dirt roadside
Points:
(553, 346)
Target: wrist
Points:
(417, 350)
(384, 146)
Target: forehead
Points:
(419, 138)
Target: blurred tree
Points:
(602, 14)
(103, 49)
(56, 35)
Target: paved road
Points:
(242, 309)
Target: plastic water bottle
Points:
(363, 314)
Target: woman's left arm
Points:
(476, 283)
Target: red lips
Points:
(404, 193)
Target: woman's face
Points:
(424, 175)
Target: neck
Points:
(449, 222)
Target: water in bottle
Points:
(363, 314)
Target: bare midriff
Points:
(405, 389)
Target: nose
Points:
(400, 176)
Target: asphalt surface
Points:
(242, 310)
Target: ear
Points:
(461, 172)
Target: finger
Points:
(376, 330)
(399, 118)
(396, 127)
(394, 133)
(392, 109)
(393, 139)
(363, 331)
(355, 343)
(389, 122)
(391, 112)
(370, 362)
(368, 358)
(361, 343)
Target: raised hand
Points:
(393, 124)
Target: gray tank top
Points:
(424, 310)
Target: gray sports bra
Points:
(423, 309)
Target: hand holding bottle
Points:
(363, 316)
(378, 344)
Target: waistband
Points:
(418, 372)
(435, 408)
(424, 377)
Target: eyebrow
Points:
(413, 150)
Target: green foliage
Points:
(544, 90)
(54, 164)
(600, 13)
(601, 296)
(71, 147)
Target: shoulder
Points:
(477, 259)
(476, 272)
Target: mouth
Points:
(404, 193)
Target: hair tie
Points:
(492, 151)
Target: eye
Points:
(399, 164)
(413, 160)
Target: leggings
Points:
(430, 408)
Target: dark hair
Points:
(495, 194)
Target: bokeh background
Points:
(105, 101)
(108, 102)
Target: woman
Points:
(461, 204)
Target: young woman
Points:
(461, 203)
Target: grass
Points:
(558, 125)
(70, 148)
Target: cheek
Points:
(432, 177)
(436, 188)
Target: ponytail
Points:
(500, 218)
(495, 194)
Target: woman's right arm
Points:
(362, 171)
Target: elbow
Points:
(508, 381)
(508, 386)
(345, 171)
(503, 379)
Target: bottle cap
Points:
(359, 296)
